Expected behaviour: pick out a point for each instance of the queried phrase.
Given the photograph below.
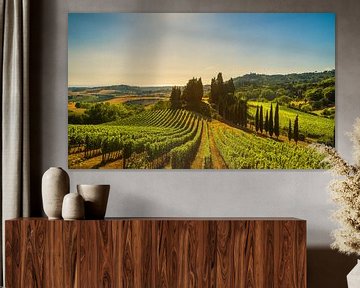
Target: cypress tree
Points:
(238, 113)
(193, 91)
(257, 119)
(175, 97)
(230, 87)
(199, 90)
(276, 121)
(289, 131)
(213, 91)
(261, 119)
(220, 93)
(243, 112)
(267, 122)
(271, 123)
(220, 81)
(296, 129)
(235, 113)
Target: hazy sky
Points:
(170, 48)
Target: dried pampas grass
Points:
(345, 192)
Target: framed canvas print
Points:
(200, 90)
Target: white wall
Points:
(193, 193)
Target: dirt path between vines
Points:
(199, 158)
(76, 161)
(216, 159)
(117, 164)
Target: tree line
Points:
(231, 107)
(191, 95)
(305, 91)
(222, 97)
(271, 125)
(103, 112)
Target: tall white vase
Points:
(55, 185)
(353, 278)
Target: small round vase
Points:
(73, 207)
(55, 185)
(96, 198)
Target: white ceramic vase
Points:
(55, 185)
(73, 207)
(96, 198)
(353, 278)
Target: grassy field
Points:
(73, 110)
(140, 100)
(312, 126)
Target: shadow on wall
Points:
(37, 10)
(328, 268)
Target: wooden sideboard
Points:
(156, 252)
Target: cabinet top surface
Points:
(174, 219)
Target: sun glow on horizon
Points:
(166, 49)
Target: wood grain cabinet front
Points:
(156, 252)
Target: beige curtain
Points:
(14, 38)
